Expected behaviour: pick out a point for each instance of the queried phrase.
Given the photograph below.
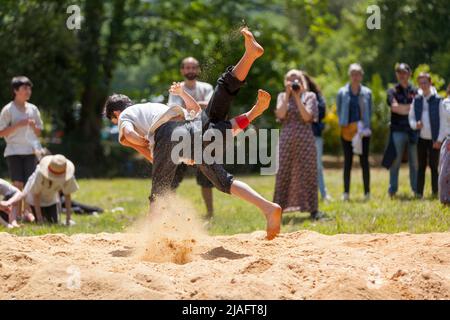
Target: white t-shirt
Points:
(7, 188)
(47, 189)
(201, 92)
(23, 139)
(147, 117)
(425, 133)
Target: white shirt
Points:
(22, 141)
(425, 132)
(47, 189)
(202, 91)
(147, 117)
(444, 115)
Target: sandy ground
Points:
(170, 256)
(301, 265)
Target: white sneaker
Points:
(345, 196)
(367, 197)
(328, 198)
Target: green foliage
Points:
(34, 41)
(380, 115)
(135, 47)
(332, 132)
(437, 80)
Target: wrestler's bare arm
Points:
(143, 150)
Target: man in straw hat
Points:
(52, 175)
(148, 128)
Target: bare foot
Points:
(252, 47)
(262, 103)
(273, 216)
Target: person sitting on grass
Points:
(52, 175)
(148, 128)
(8, 208)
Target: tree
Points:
(99, 50)
(35, 42)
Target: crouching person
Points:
(9, 205)
(52, 175)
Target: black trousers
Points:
(427, 156)
(213, 117)
(49, 214)
(363, 160)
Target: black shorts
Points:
(201, 179)
(213, 117)
(21, 167)
(49, 214)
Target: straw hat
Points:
(57, 167)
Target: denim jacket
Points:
(343, 105)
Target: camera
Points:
(295, 85)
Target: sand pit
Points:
(301, 265)
(169, 256)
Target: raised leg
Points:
(262, 104)
(253, 50)
(231, 81)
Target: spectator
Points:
(317, 130)
(21, 125)
(296, 182)
(444, 137)
(401, 136)
(8, 210)
(52, 175)
(354, 108)
(202, 93)
(424, 117)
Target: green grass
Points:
(379, 215)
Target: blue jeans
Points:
(401, 140)
(319, 147)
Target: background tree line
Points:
(135, 47)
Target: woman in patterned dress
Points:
(296, 186)
(444, 164)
